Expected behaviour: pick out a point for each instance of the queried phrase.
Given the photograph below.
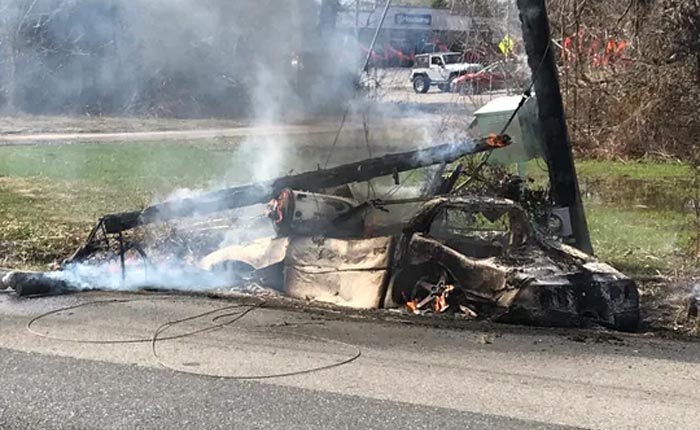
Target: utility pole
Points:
(562, 172)
(357, 20)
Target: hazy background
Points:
(168, 58)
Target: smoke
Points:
(264, 60)
(171, 276)
(176, 58)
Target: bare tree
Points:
(16, 16)
(630, 75)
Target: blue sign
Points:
(413, 19)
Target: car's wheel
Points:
(404, 285)
(447, 88)
(421, 84)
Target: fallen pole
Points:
(314, 181)
(34, 284)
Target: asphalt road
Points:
(406, 376)
(43, 392)
(193, 134)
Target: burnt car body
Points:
(514, 275)
(497, 264)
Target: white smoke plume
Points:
(182, 58)
(261, 60)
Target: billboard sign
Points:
(413, 19)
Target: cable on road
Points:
(157, 338)
(237, 318)
(33, 321)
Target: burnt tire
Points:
(403, 284)
(421, 84)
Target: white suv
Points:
(439, 69)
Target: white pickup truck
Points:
(439, 69)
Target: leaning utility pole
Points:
(312, 181)
(562, 172)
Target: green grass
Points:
(51, 195)
(152, 165)
(631, 170)
(159, 166)
(602, 169)
(634, 211)
(639, 241)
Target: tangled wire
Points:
(218, 322)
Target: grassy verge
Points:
(153, 166)
(631, 170)
(639, 242)
(636, 211)
(51, 195)
(606, 169)
(43, 220)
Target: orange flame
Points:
(276, 207)
(497, 140)
(412, 306)
(439, 304)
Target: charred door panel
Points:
(350, 273)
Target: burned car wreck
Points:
(514, 274)
(476, 256)
(473, 257)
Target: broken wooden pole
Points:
(562, 172)
(314, 181)
(35, 284)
